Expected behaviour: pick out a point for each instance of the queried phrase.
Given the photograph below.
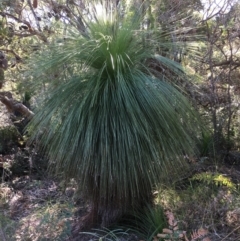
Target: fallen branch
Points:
(13, 105)
(231, 233)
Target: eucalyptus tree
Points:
(105, 119)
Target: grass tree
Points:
(106, 120)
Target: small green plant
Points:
(27, 96)
(214, 178)
(206, 144)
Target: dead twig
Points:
(231, 233)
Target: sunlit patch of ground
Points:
(4, 116)
(35, 210)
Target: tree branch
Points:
(12, 105)
(30, 29)
(18, 58)
(35, 16)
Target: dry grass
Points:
(35, 210)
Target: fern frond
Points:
(173, 233)
(197, 234)
(217, 179)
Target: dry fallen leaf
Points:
(35, 3)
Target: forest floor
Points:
(37, 207)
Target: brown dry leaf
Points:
(161, 235)
(35, 3)
(180, 235)
(194, 235)
(168, 231)
(170, 217)
(185, 236)
(175, 228)
(61, 224)
(202, 231)
(175, 225)
(206, 239)
(198, 233)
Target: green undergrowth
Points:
(147, 222)
(41, 210)
(203, 207)
(9, 136)
(7, 227)
(209, 200)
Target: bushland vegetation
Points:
(119, 120)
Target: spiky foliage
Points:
(147, 222)
(109, 235)
(106, 120)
